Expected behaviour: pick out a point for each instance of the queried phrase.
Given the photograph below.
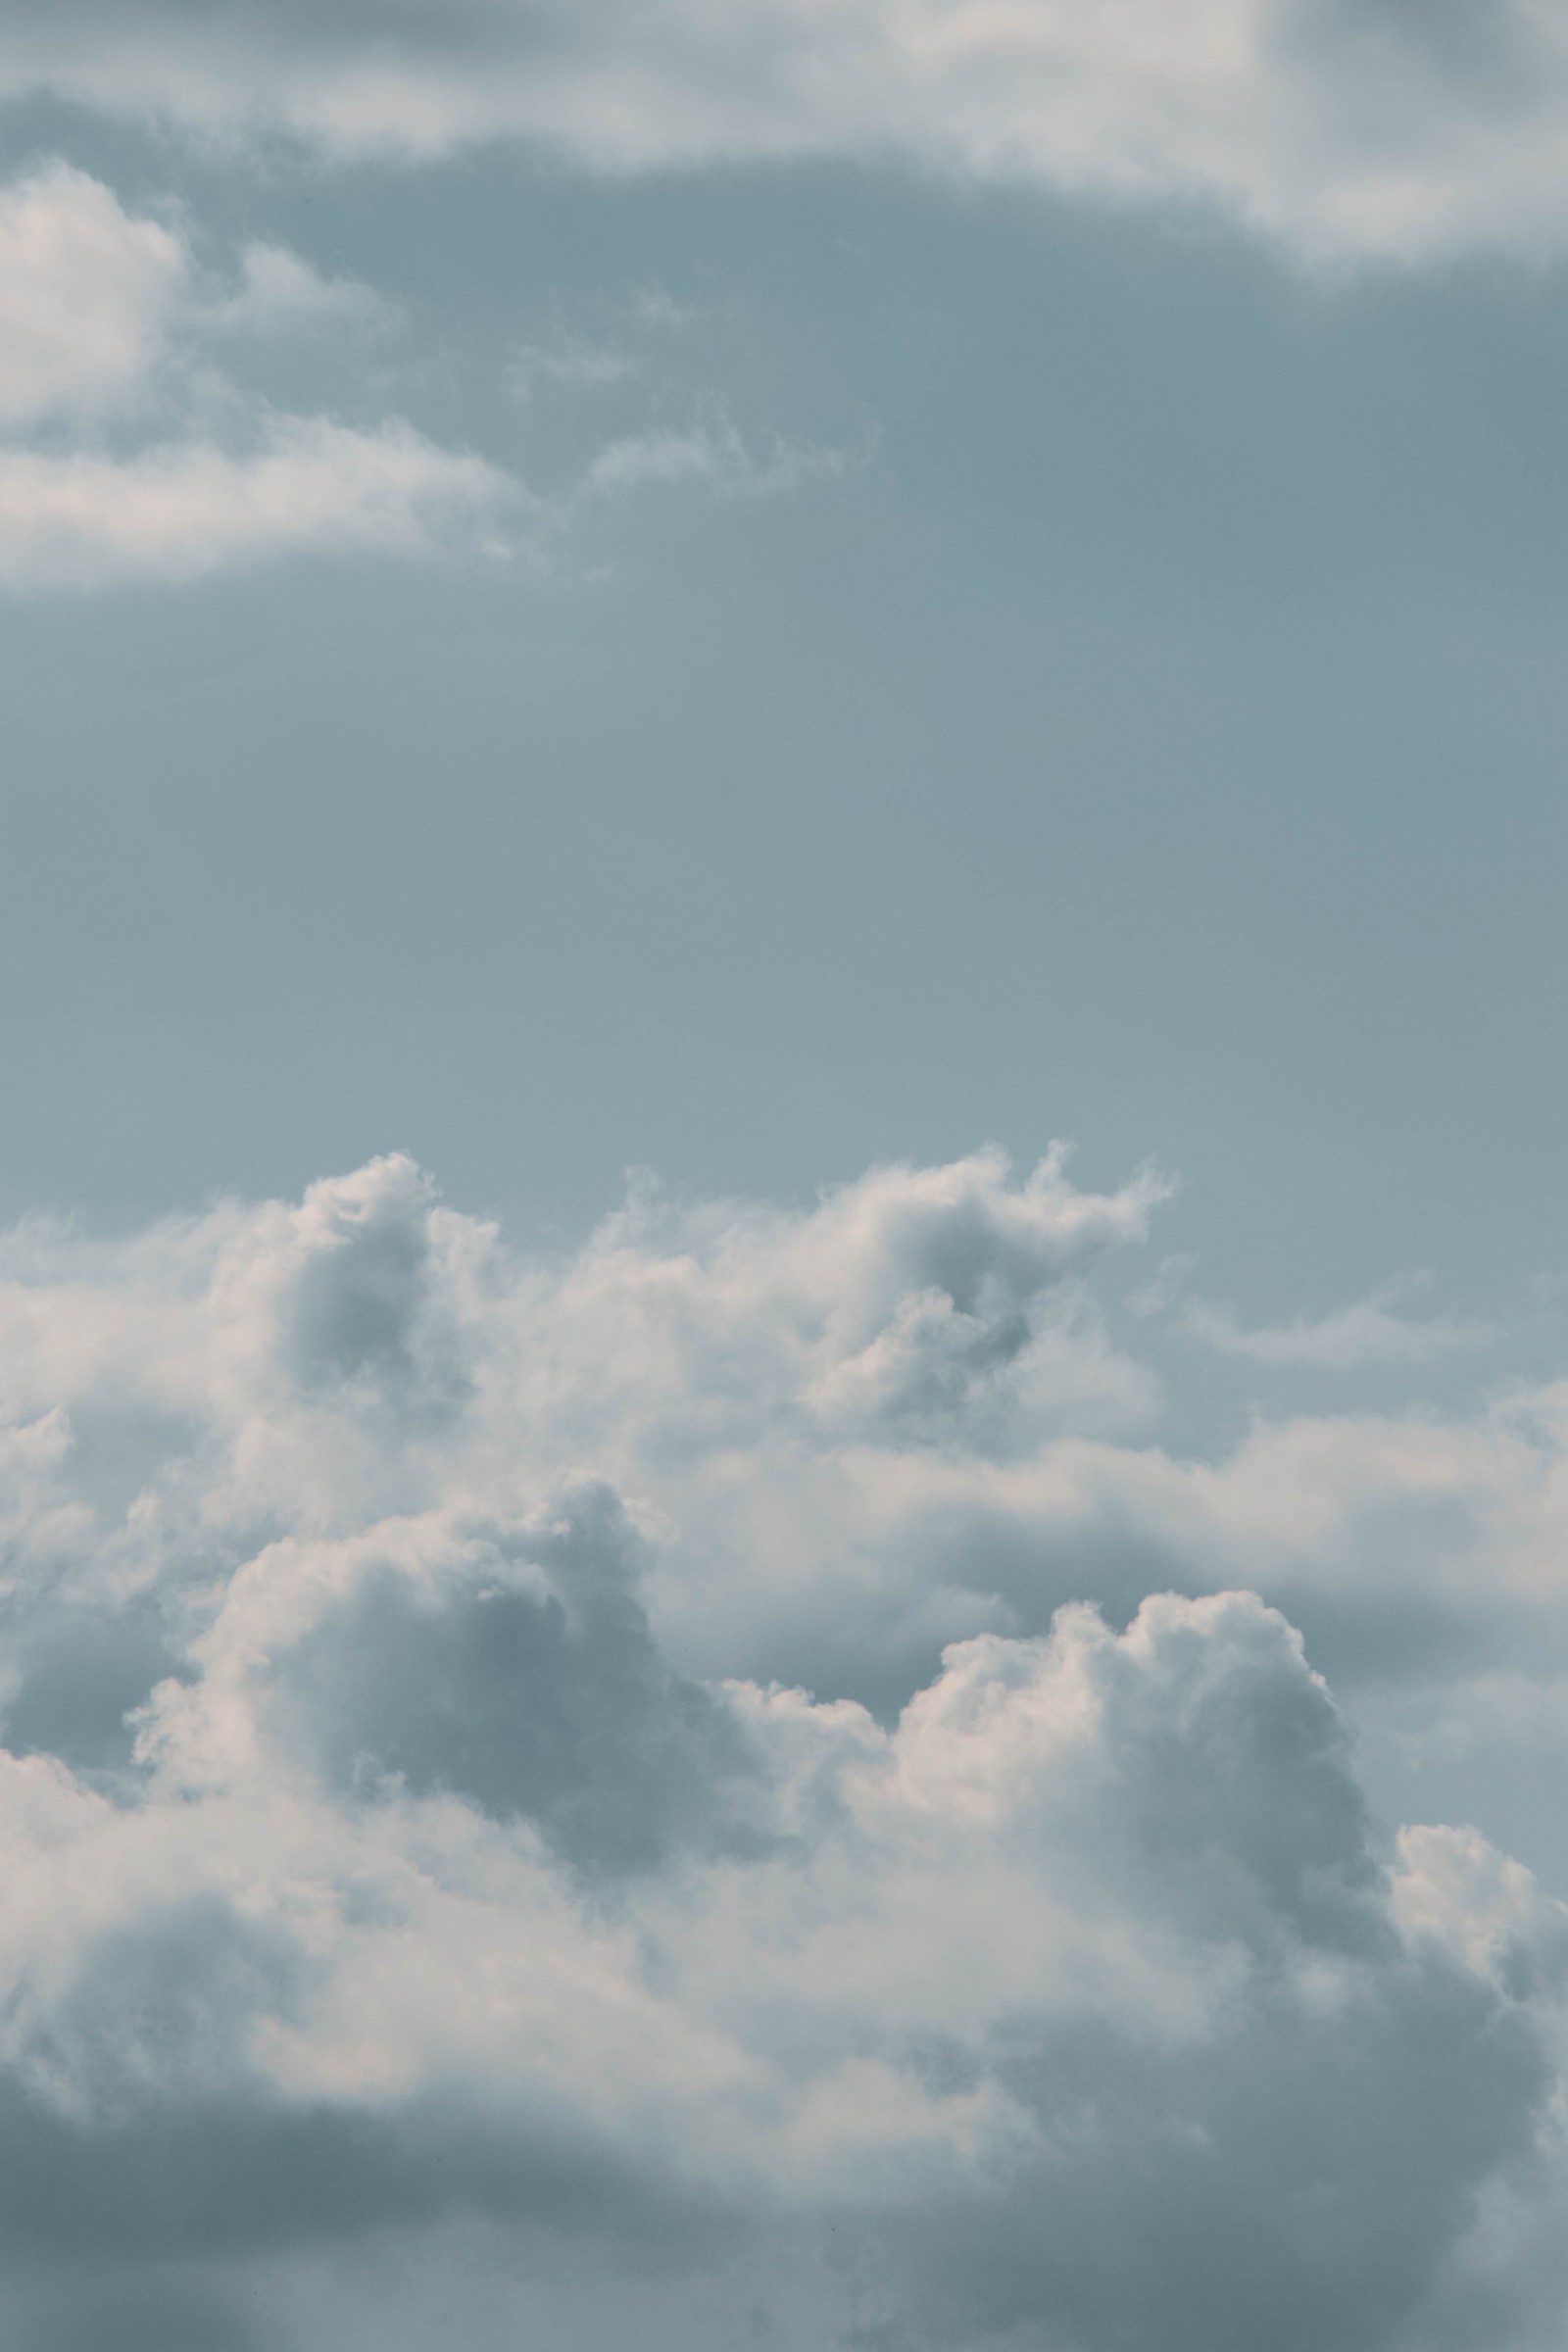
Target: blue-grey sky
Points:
(784, 1278)
(1134, 715)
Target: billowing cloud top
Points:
(1385, 128)
(717, 1790)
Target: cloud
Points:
(1382, 130)
(281, 291)
(129, 454)
(182, 511)
(130, 459)
(1366, 1333)
(87, 295)
(711, 454)
(569, 362)
(436, 1899)
(105, 311)
(1170, 1280)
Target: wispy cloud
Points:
(280, 292)
(89, 297)
(1370, 1331)
(711, 454)
(570, 362)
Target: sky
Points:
(783, 1264)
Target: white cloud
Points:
(129, 460)
(87, 295)
(1385, 130)
(181, 510)
(1368, 1332)
(101, 310)
(127, 454)
(417, 1846)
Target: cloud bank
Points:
(1383, 130)
(721, 1789)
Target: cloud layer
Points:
(723, 1786)
(1383, 130)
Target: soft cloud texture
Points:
(131, 447)
(179, 511)
(1383, 130)
(87, 296)
(723, 1786)
(710, 453)
(144, 462)
(1371, 1331)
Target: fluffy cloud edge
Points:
(133, 450)
(128, 458)
(1384, 134)
(182, 511)
(369, 1821)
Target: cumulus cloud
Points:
(675, 1791)
(1383, 129)
(131, 459)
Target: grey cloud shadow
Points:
(547, 1701)
(1301, 2189)
(81, 1673)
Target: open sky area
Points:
(783, 1245)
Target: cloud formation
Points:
(711, 454)
(131, 455)
(723, 1785)
(132, 447)
(87, 296)
(178, 511)
(1383, 130)
(1370, 1331)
